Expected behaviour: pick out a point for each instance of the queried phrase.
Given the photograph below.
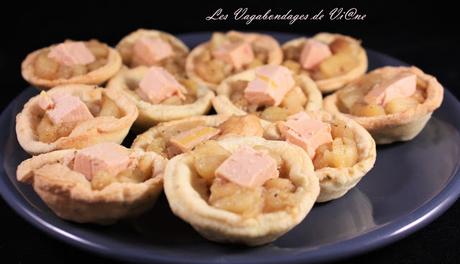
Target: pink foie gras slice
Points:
(248, 168)
(270, 85)
(110, 158)
(400, 86)
(187, 140)
(313, 53)
(158, 85)
(71, 53)
(148, 51)
(64, 108)
(308, 133)
(237, 54)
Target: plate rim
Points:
(393, 231)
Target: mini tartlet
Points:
(341, 163)
(196, 101)
(171, 52)
(103, 199)
(231, 96)
(345, 60)
(158, 138)
(223, 211)
(398, 120)
(44, 71)
(207, 68)
(88, 115)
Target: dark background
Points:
(422, 34)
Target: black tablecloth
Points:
(420, 34)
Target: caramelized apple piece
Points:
(170, 131)
(229, 196)
(260, 53)
(98, 49)
(48, 132)
(294, 101)
(292, 65)
(341, 130)
(213, 71)
(207, 157)
(101, 180)
(337, 64)
(248, 125)
(363, 109)
(274, 113)
(256, 62)
(45, 67)
(279, 194)
(190, 85)
(400, 105)
(348, 97)
(343, 45)
(293, 52)
(341, 153)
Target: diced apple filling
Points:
(363, 109)
(341, 153)
(274, 113)
(293, 102)
(344, 58)
(208, 156)
(215, 70)
(248, 125)
(335, 65)
(279, 194)
(275, 195)
(234, 198)
(48, 68)
(140, 173)
(400, 105)
(351, 101)
(174, 64)
(48, 132)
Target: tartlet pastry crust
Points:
(336, 182)
(275, 57)
(223, 105)
(69, 194)
(151, 114)
(332, 84)
(401, 126)
(224, 226)
(90, 132)
(96, 77)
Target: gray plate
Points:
(412, 183)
